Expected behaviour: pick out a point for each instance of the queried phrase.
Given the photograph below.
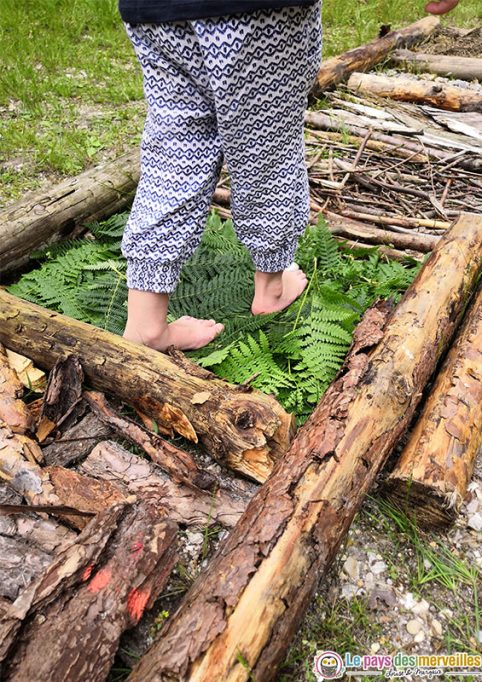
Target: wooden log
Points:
(449, 97)
(430, 479)
(28, 544)
(178, 463)
(241, 427)
(271, 563)
(112, 464)
(62, 396)
(466, 68)
(93, 591)
(31, 377)
(44, 217)
(13, 411)
(364, 57)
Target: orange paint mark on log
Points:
(87, 572)
(136, 603)
(100, 580)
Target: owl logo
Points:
(328, 665)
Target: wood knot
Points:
(245, 420)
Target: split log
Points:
(271, 563)
(240, 427)
(112, 464)
(178, 463)
(93, 591)
(31, 377)
(466, 68)
(13, 411)
(364, 57)
(76, 442)
(449, 97)
(430, 479)
(63, 395)
(44, 217)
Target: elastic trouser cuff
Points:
(274, 261)
(147, 275)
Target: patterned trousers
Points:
(233, 89)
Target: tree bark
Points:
(449, 97)
(240, 427)
(178, 463)
(272, 561)
(465, 68)
(364, 57)
(67, 625)
(43, 218)
(110, 463)
(13, 411)
(430, 479)
(76, 442)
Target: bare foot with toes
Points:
(276, 291)
(186, 333)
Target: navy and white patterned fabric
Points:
(232, 88)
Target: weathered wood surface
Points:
(176, 462)
(67, 625)
(112, 464)
(47, 216)
(466, 68)
(240, 427)
(449, 97)
(291, 530)
(430, 479)
(364, 57)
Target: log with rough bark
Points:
(67, 624)
(272, 561)
(466, 68)
(76, 442)
(240, 427)
(111, 464)
(28, 544)
(13, 411)
(364, 57)
(44, 217)
(449, 97)
(178, 463)
(430, 479)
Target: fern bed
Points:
(294, 354)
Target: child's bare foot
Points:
(186, 333)
(274, 291)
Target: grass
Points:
(71, 89)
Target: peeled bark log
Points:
(178, 463)
(449, 97)
(364, 57)
(44, 217)
(431, 477)
(110, 463)
(465, 68)
(271, 563)
(78, 610)
(241, 427)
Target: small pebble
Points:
(414, 626)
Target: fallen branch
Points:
(449, 97)
(431, 477)
(271, 563)
(364, 57)
(48, 216)
(241, 427)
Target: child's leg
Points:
(180, 162)
(261, 67)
